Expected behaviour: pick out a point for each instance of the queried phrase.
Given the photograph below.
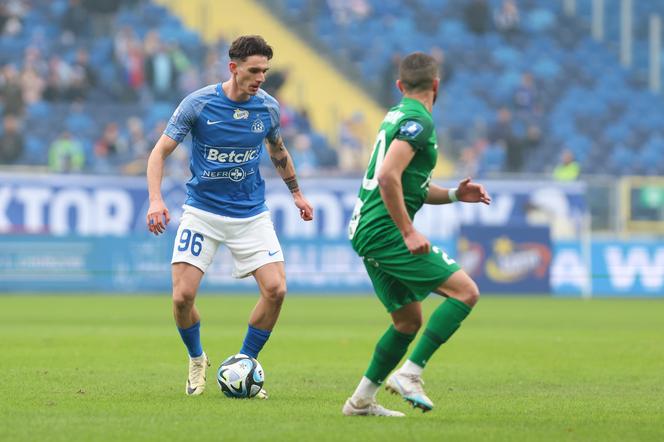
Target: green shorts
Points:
(400, 278)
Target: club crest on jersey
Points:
(240, 114)
(411, 129)
(257, 126)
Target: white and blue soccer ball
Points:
(240, 376)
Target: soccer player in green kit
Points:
(403, 266)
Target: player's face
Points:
(250, 73)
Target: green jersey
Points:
(371, 225)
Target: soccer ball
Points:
(240, 376)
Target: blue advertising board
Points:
(142, 263)
(507, 259)
(69, 205)
(633, 268)
(88, 233)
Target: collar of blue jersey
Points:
(222, 94)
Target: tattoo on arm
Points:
(291, 182)
(279, 163)
(276, 145)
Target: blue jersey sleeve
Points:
(181, 121)
(184, 117)
(273, 108)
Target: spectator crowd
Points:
(102, 90)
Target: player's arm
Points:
(179, 125)
(466, 191)
(284, 164)
(398, 156)
(157, 210)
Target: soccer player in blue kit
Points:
(226, 197)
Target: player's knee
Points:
(409, 326)
(275, 292)
(183, 298)
(463, 289)
(471, 294)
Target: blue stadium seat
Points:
(589, 106)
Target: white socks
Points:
(410, 367)
(365, 392)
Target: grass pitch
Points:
(113, 368)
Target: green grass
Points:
(113, 368)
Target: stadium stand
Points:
(92, 84)
(520, 56)
(106, 75)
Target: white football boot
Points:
(196, 380)
(370, 409)
(411, 388)
(261, 394)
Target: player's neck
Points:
(426, 98)
(233, 92)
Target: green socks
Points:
(390, 349)
(444, 321)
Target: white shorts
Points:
(252, 241)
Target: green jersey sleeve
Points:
(416, 131)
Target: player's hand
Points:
(158, 217)
(472, 192)
(306, 211)
(417, 243)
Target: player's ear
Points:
(436, 85)
(232, 66)
(400, 86)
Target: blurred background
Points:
(556, 106)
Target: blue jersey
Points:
(227, 141)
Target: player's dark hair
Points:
(418, 71)
(248, 45)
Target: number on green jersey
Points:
(379, 152)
